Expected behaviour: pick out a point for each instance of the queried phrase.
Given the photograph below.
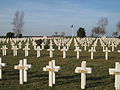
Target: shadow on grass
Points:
(99, 57)
(99, 81)
(67, 79)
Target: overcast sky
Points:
(44, 17)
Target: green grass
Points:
(66, 78)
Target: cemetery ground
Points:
(66, 78)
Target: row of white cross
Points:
(52, 68)
(38, 49)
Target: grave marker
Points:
(83, 70)
(78, 50)
(52, 69)
(64, 51)
(116, 71)
(22, 67)
(1, 65)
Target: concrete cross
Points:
(1, 65)
(64, 51)
(22, 67)
(34, 45)
(19, 44)
(83, 70)
(116, 71)
(106, 53)
(14, 48)
(92, 50)
(42, 45)
(113, 46)
(38, 49)
(51, 51)
(85, 46)
(59, 45)
(78, 50)
(51, 45)
(103, 45)
(26, 49)
(4, 48)
(52, 69)
(94, 45)
(27, 44)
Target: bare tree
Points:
(103, 22)
(115, 34)
(96, 31)
(18, 23)
(118, 26)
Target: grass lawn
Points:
(66, 78)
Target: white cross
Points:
(19, 44)
(78, 50)
(76, 45)
(27, 44)
(38, 51)
(67, 46)
(52, 69)
(51, 45)
(42, 45)
(22, 67)
(1, 65)
(85, 46)
(14, 48)
(26, 50)
(103, 45)
(64, 51)
(116, 71)
(4, 48)
(113, 46)
(106, 53)
(51, 51)
(59, 45)
(12, 44)
(83, 70)
(34, 45)
(94, 45)
(118, 50)
(92, 50)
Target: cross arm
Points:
(113, 71)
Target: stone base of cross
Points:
(116, 71)
(83, 70)
(22, 67)
(1, 65)
(52, 69)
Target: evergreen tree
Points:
(81, 32)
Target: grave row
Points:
(52, 68)
(38, 50)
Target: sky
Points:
(45, 17)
